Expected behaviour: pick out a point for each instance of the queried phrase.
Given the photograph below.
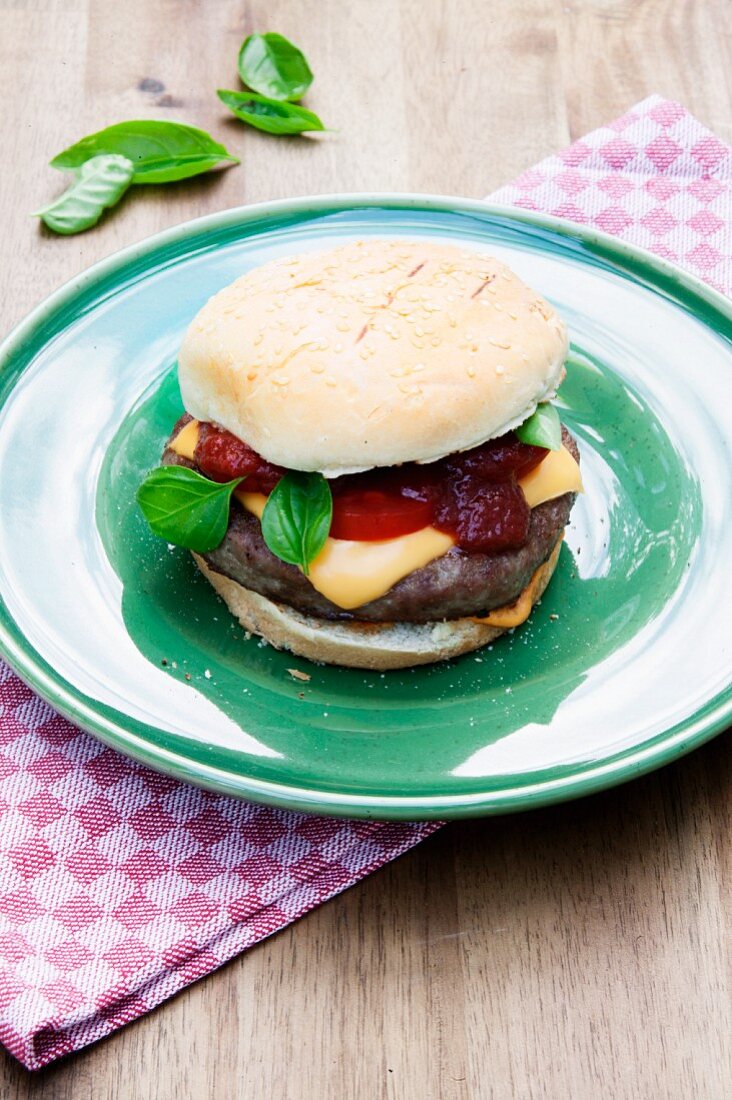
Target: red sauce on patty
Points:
(473, 496)
(223, 457)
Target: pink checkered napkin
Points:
(119, 886)
(655, 177)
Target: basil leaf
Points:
(160, 151)
(270, 115)
(296, 518)
(272, 66)
(100, 183)
(543, 429)
(186, 508)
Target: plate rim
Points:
(705, 723)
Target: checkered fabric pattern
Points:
(119, 886)
(654, 177)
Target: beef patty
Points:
(450, 587)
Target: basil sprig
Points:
(543, 428)
(297, 517)
(161, 151)
(271, 115)
(100, 183)
(186, 508)
(274, 67)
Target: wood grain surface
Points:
(573, 952)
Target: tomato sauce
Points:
(473, 496)
(223, 457)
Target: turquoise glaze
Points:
(625, 663)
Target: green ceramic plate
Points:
(624, 665)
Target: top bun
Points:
(372, 354)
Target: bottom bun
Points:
(361, 645)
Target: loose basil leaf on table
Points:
(160, 151)
(186, 508)
(543, 428)
(100, 183)
(270, 115)
(296, 518)
(274, 67)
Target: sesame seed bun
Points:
(372, 354)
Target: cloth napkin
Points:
(120, 886)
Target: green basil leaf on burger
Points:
(186, 508)
(270, 115)
(389, 515)
(543, 428)
(274, 67)
(297, 517)
(99, 184)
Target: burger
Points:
(369, 470)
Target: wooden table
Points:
(571, 952)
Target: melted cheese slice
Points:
(185, 442)
(350, 573)
(555, 475)
(513, 614)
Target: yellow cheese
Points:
(555, 475)
(514, 614)
(253, 502)
(185, 442)
(350, 573)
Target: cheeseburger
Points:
(369, 471)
